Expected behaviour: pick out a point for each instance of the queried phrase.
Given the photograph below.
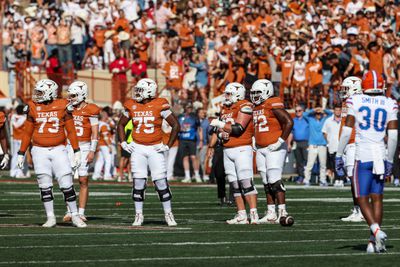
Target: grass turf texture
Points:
(317, 238)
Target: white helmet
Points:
(77, 92)
(144, 89)
(350, 86)
(233, 93)
(261, 91)
(45, 90)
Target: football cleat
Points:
(371, 247)
(380, 239)
(238, 219)
(67, 217)
(396, 182)
(254, 217)
(198, 179)
(77, 222)
(355, 216)
(83, 218)
(269, 218)
(187, 180)
(170, 220)
(51, 222)
(282, 213)
(139, 218)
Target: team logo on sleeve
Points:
(38, 108)
(134, 107)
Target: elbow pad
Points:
(237, 130)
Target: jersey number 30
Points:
(378, 120)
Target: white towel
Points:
(379, 163)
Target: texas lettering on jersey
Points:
(229, 115)
(82, 120)
(267, 128)
(147, 120)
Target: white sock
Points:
(49, 208)
(242, 213)
(187, 174)
(68, 210)
(167, 206)
(72, 207)
(81, 211)
(271, 207)
(196, 174)
(139, 207)
(357, 208)
(253, 210)
(374, 228)
(282, 207)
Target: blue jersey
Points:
(189, 125)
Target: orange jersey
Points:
(229, 115)
(104, 133)
(2, 119)
(147, 120)
(48, 122)
(267, 128)
(18, 120)
(82, 121)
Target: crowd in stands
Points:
(304, 47)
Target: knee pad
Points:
(277, 187)
(162, 188)
(236, 189)
(46, 194)
(248, 187)
(69, 194)
(138, 190)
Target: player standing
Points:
(272, 126)
(147, 113)
(104, 158)
(235, 128)
(86, 121)
(350, 86)
(49, 123)
(372, 114)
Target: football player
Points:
(104, 158)
(372, 114)
(147, 113)
(4, 141)
(350, 86)
(49, 123)
(86, 121)
(235, 127)
(272, 126)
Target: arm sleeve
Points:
(94, 120)
(71, 134)
(344, 140)
(391, 144)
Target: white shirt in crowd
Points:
(331, 129)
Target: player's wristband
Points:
(21, 153)
(76, 150)
(93, 145)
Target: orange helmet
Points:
(373, 82)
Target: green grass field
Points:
(318, 237)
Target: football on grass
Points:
(286, 221)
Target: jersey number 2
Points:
(261, 122)
(379, 119)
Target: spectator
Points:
(331, 130)
(299, 137)
(173, 72)
(13, 55)
(205, 128)
(200, 65)
(190, 133)
(109, 55)
(53, 68)
(78, 33)
(138, 69)
(64, 44)
(118, 68)
(316, 144)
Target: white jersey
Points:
(372, 115)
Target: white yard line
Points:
(232, 257)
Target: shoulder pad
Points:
(247, 109)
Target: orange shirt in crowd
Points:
(376, 61)
(287, 68)
(314, 73)
(173, 73)
(123, 23)
(99, 38)
(187, 39)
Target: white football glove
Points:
(5, 160)
(20, 161)
(276, 145)
(77, 160)
(217, 123)
(161, 148)
(128, 147)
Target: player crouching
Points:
(272, 126)
(147, 113)
(48, 122)
(373, 114)
(86, 121)
(235, 128)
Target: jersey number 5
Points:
(55, 124)
(148, 124)
(78, 128)
(378, 120)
